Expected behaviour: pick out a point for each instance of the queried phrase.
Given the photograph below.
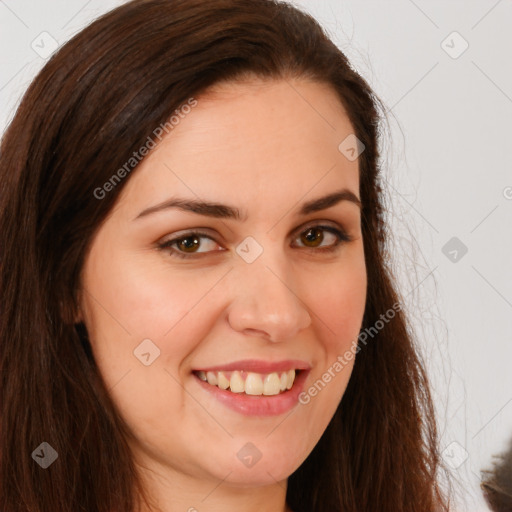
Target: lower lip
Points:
(260, 405)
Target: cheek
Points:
(128, 302)
(338, 298)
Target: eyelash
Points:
(342, 237)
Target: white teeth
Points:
(236, 383)
(272, 384)
(223, 382)
(212, 378)
(254, 384)
(284, 381)
(291, 378)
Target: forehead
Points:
(272, 140)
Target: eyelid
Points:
(209, 233)
(330, 226)
(318, 223)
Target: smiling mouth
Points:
(250, 383)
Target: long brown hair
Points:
(91, 107)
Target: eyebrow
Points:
(222, 211)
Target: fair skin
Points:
(265, 148)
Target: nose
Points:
(266, 301)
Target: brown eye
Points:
(188, 244)
(312, 236)
(192, 244)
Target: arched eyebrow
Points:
(223, 211)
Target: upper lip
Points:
(259, 366)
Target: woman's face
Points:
(256, 296)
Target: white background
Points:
(448, 169)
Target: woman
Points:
(197, 312)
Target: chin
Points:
(258, 476)
(252, 466)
